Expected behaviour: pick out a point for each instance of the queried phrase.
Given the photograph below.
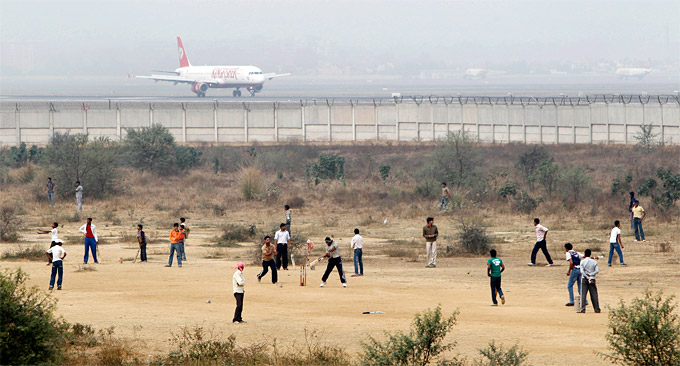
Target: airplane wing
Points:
(178, 79)
(166, 72)
(272, 75)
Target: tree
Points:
(574, 181)
(548, 174)
(152, 149)
(458, 159)
(529, 161)
(646, 137)
(327, 166)
(646, 332)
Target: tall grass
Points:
(250, 181)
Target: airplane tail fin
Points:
(183, 59)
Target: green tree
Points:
(384, 171)
(574, 181)
(646, 137)
(327, 166)
(187, 157)
(458, 159)
(670, 189)
(529, 161)
(152, 149)
(646, 332)
(548, 175)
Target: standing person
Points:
(446, 194)
(639, 215)
(589, 269)
(238, 283)
(176, 237)
(430, 234)
(630, 209)
(334, 260)
(182, 224)
(55, 237)
(91, 240)
(615, 243)
(141, 238)
(541, 236)
(56, 255)
(79, 196)
(289, 217)
(282, 238)
(494, 268)
(357, 245)
(268, 253)
(574, 271)
(51, 187)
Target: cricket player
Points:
(56, 255)
(91, 240)
(238, 283)
(79, 196)
(334, 260)
(55, 237)
(268, 253)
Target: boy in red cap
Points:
(238, 283)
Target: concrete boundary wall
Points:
(547, 120)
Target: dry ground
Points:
(149, 302)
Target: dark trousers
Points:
(542, 246)
(282, 256)
(496, 288)
(587, 287)
(90, 244)
(57, 267)
(142, 252)
(288, 226)
(334, 262)
(265, 268)
(239, 307)
(51, 245)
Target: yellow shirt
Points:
(637, 212)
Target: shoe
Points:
(428, 266)
(609, 264)
(51, 287)
(259, 280)
(322, 284)
(503, 300)
(581, 312)
(597, 312)
(569, 304)
(494, 304)
(48, 264)
(167, 265)
(623, 264)
(242, 321)
(361, 275)
(344, 285)
(434, 266)
(530, 264)
(354, 275)
(549, 265)
(285, 269)
(236, 322)
(59, 288)
(180, 266)
(643, 240)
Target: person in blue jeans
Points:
(57, 255)
(446, 194)
(615, 243)
(176, 237)
(574, 271)
(630, 209)
(357, 245)
(639, 215)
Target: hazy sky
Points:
(114, 37)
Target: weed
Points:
(34, 253)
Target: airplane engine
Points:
(258, 88)
(199, 88)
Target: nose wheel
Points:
(237, 93)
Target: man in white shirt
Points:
(615, 243)
(79, 196)
(282, 239)
(91, 240)
(238, 282)
(541, 235)
(57, 255)
(357, 244)
(589, 269)
(334, 260)
(55, 237)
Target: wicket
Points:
(303, 275)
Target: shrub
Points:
(428, 183)
(508, 189)
(529, 161)
(670, 190)
(646, 332)
(327, 166)
(458, 158)
(296, 202)
(250, 180)
(474, 239)
(548, 175)
(646, 137)
(187, 157)
(526, 203)
(21, 156)
(235, 233)
(29, 332)
(9, 223)
(497, 356)
(152, 149)
(575, 181)
(34, 253)
(423, 345)
(384, 171)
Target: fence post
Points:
(245, 122)
(432, 119)
(354, 123)
(304, 127)
(51, 118)
(625, 124)
(396, 122)
(118, 127)
(17, 124)
(217, 136)
(330, 128)
(150, 115)
(663, 141)
(84, 119)
(184, 123)
(276, 122)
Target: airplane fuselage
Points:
(249, 77)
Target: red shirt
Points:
(89, 231)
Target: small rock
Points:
(208, 301)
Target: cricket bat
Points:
(373, 312)
(136, 256)
(313, 263)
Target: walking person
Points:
(430, 234)
(51, 187)
(141, 239)
(55, 237)
(185, 227)
(541, 236)
(268, 253)
(238, 283)
(91, 240)
(282, 238)
(79, 196)
(446, 194)
(615, 243)
(574, 271)
(630, 209)
(494, 268)
(357, 245)
(589, 269)
(289, 217)
(334, 260)
(56, 255)
(639, 215)
(176, 237)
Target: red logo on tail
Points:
(183, 59)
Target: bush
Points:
(29, 333)
(187, 157)
(9, 223)
(646, 137)
(548, 175)
(327, 166)
(646, 332)
(423, 345)
(20, 156)
(575, 181)
(251, 183)
(474, 239)
(384, 171)
(152, 149)
(670, 190)
(526, 203)
(296, 202)
(235, 233)
(34, 253)
(497, 356)
(458, 158)
(508, 189)
(530, 160)
(429, 184)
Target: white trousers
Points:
(431, 248)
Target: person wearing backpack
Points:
(574, 271)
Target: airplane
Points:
(632, 72)
(475, 73)
(203, 78)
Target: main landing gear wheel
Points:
(237, 93)
(252, 93)
(200, 95)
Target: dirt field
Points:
(147, 301)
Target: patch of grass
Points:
(235, 233)
(219, 243)
(86, 268)
(367, 220)
(664, 247)
(34, 253)
(215, 254)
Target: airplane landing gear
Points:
(237, 93)
(252, 93)
(200, 95)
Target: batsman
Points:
(334, 260)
